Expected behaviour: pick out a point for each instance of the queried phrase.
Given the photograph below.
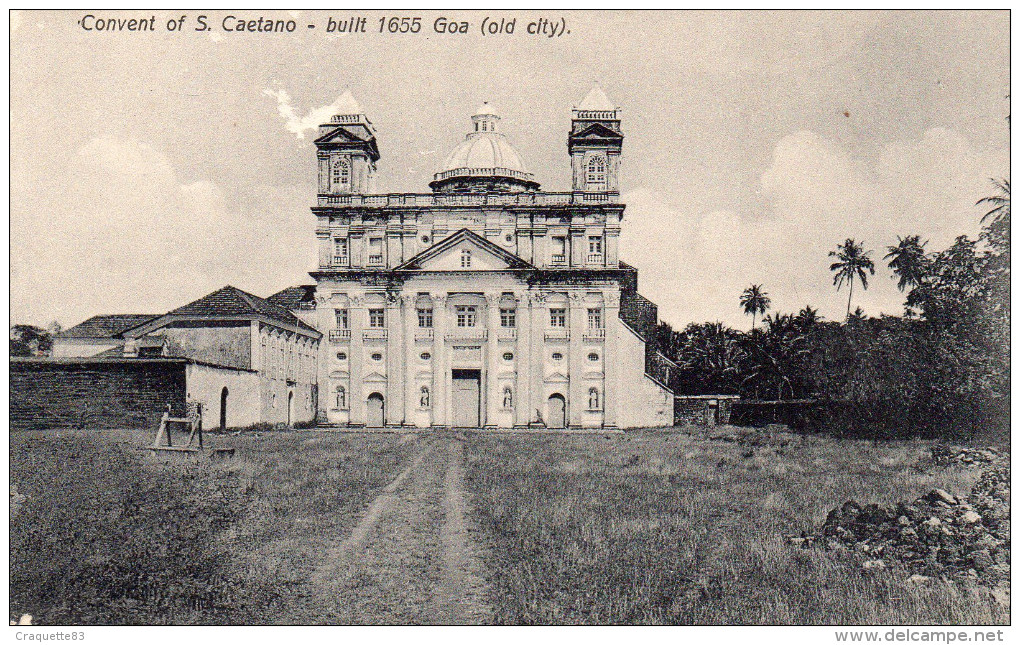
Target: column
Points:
(394, 360)
(525, 362)
(578, 320)
(611, 399)
(493, 400)
(407, 355)
(539, 321)
(357, 317)
(578, 250)
(440, 364)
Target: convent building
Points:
(486, 302)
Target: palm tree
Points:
(1000, 202)
(908, 261)
(807, 317)
(996, 230)
(854, 263)
(754, 301)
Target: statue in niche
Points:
(508, 398)
(424, 401)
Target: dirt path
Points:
(410, 559)
(349, 548)
(461, 595)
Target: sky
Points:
(148, 169)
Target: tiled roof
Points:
(231, 301)
(105, 326)
(294, 297)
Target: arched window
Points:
(508, 398)
(341, 397)
(593, 398)
(596, 170)
(341, 173)
(425, 400)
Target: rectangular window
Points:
(507, 317)
(341, 318)
(465, 316)
(595, 319)
(425, 318)
(375, 250)
(557, 317)
(376, 318)
(559, 250)
(340, 255)
(595, 245)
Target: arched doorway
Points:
(290, 408)
(376, 411)
(557, 411)
(223, 408)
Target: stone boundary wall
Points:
(122, 394)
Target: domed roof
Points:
(484, 153)
(484, 150)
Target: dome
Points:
(483, 156)
(484, 150)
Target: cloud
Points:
(294, 123)
(144, 241)
(816, 193)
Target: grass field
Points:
(109, 535)
(647, 528)
(643, 527)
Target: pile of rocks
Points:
(943, 455)
(937, 535)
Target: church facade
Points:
(485, 302)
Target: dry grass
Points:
(653, 528)
(109, 535)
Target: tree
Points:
(775, 360)
(709, 356)
(807, 318)
(29, 340)
(1000, 202)
(908, 260)
(755, 301)
(996, 220)
(853, 264)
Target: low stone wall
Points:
(94, 394)
(702, 410)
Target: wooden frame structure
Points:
(164, 437)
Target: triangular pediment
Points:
(340, 135)
(375, 377)
(449, 255)
(596, 132)
(557, 377)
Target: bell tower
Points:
(594, 144)
(347, 151)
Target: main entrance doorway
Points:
(467, 398)
(557, 411)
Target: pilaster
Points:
(441, 376)
(492, 398)
(525, 363)
(578, 401)
(611, 398)
(358, 318)
(394, 360)
(539, 320)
